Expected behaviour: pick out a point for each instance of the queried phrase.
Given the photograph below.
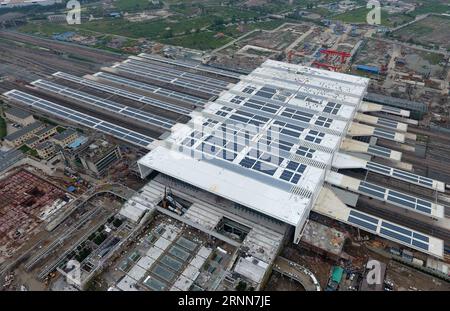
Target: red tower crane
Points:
(343, 55)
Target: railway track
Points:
(369, 206)
(100, 56)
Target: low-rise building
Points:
(19, 116)
(9, 158)
(46, 149)
(46, 132)
(21, 3)
(65, 138)
(19, 137)
(32, 142)
(94, 157)
(99, 156)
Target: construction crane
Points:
(343, 55)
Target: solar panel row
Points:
(190, 65)
(391, 109)
(387, 134)
(387, 123)
(80, 118)
(173, 79)
(405, 235)
(164, 70)
(177, 82)
(395, 197)
(126, 111)
(379, 151)
(389, 230)
(152, 89)
(126, 94)
(399, 174)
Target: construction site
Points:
(27, 200)
(349, 175)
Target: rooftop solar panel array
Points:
(171, 72)
(379, 151)
(175, 81)
(126, 94)
(191, 65)
(389, 230)
(109, 105)
(383, 133)
(396, 197)
(79, 118)
(400, 174)
(408, 237)
(152, 89)
(387, 123)
(391, 109)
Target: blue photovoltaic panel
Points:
(409, 201)
(152, 89)
(420, 244)
(174, 73)
(368, 218)
(395, 235)
(182, 83)
(405, 235)
(384, 133)
(372, 190)
(378, 168)
(379, 151)
(80, 118)
(126, 94)
(196, 66)
(387, 123)
(99, 102)
(391, 109)
(399, 174)
(421, 237)
(362, 223)
(389, 230)
(396, 228)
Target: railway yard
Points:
(198, 243)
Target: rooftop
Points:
(63, 135)
(98, 149)
(44, 145)
(266, 142)
(45, 130)
(23, 131)
(18, 113)
(8, 158)
(323, 237)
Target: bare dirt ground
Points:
(277, 282)
(406, 278)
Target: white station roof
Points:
(266, 142)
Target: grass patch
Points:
(433, 58)
(431, 6)
(27, 150)
(359, 16)
(205, 40)
(135, 5)
(24, 148)
(45, 28)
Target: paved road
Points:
(296, 272)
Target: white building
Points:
(273, 140)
